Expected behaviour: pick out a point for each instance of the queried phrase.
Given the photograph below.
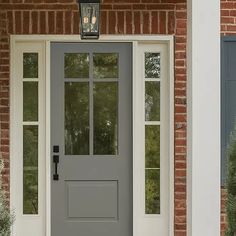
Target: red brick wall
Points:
(117, 17)
(228, 17)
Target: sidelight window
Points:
(30, 133)
(152, 132)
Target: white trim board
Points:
(203, 118)
(16, 139)
(108, 38)
(148, 224)
(136, 40)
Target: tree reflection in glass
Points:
(105, 118)
(30, 65)
(30, 101)
(76, 118)
(152, 146)
(30, 169)
(152, 65)
(152, 101)
(105, 65)
(76, 65)
(152, 191)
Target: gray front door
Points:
(91, 139)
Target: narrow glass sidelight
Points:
(152, 80)
(30, 169)
(105, 118)
(77, 118)
(30, 133)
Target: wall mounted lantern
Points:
(89, 18)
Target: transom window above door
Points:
(91, 84)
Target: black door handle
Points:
(56, 161)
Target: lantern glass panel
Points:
(90, 17)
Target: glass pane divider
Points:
(101, 156)
(146, 168)
(30, 79)
(30, 122)
(91, 104)
(105, 80)
(87, 80)
(75, 80)
(153, 79)
(152, 122)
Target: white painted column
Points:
(203, 99)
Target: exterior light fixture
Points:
(89, 18)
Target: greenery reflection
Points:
(152, 101)
(152, 190)
(152, 65)
(152, 146)
(76, 65)
(30, 65)
(105, 65)
(30, 101)
(105, 118)
(76, 118)
(30, 169)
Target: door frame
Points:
(168, 40)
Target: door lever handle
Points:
(56, 161)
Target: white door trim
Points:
(16, 139)
(135, 40)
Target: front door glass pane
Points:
(105, 65)
(76, 118)
(76, 65)
(105, 118)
